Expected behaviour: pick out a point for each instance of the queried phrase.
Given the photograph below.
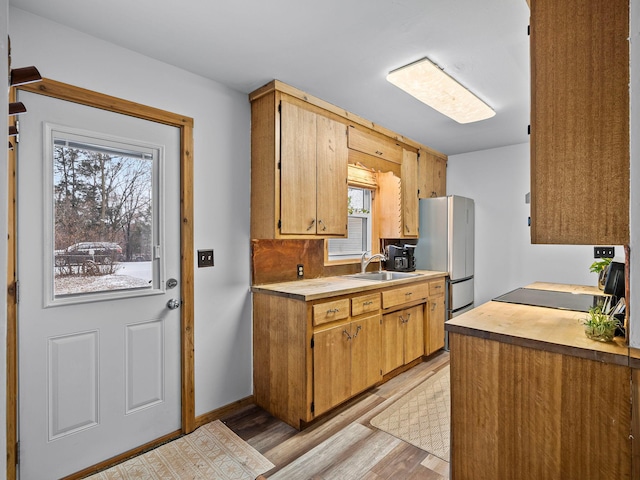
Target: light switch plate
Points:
(205, 258)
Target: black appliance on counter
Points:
(400, 258)
(614, 280)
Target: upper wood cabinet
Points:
(432, 175)
(398, 200)
(580, 122)
(377, 146)
(300, 149)
(313, 173)
(298, 172)
(410, 217)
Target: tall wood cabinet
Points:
(580, 122)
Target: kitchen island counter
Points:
(548, 329)
(532, 397)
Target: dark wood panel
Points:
(580, 122)
(528, 414)
(276, 261)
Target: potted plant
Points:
(600, 326)
(600, 267)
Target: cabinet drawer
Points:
(330, 311)
(398, 296)
(436, 288)
(376, 146)
(365, 304)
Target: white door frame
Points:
(90, 98)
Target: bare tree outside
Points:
(103, 217)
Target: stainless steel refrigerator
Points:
(446, 244)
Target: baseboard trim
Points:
(223, 411)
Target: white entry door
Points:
(98, 268)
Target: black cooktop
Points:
(579, 302)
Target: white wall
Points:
(634, 213)
(498, 180)
(4, 10)
(223, 353)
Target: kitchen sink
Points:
(383, 276)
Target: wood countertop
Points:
(548, 329)
(326, 287)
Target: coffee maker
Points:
(400, 258)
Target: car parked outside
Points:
(98, 252)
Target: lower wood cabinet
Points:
(434, 324)
(345, 361)
(402, 334)
(311, 356)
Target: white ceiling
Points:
(337, 50)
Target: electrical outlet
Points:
(604, 252)
(300, 270)
(205, 258)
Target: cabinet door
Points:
(377, 146)
(366, 360)
(432, 175)
(331, 367)
(414, 333)
(297, 170)
(434, 325)
(439, 177)
(331, 169)
(392, 341)
(409, 194)
(580, 122)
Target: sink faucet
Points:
(364, 262)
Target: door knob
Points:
(173, 304)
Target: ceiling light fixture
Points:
(431, 85)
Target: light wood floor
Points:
(344, 445)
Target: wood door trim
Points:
(82, 96)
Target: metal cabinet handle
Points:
(370, 302)
(357, 331)
(408, 294)
(313, 222)
(347, 334)
(324, 227)
(433, 307)
(332, 310)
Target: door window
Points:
(104, 225)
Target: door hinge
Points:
(17, 453)
(279, 224)
(313, 407)
(13, 290)
(312, 343)
(279, 107)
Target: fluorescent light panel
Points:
(429, 84)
